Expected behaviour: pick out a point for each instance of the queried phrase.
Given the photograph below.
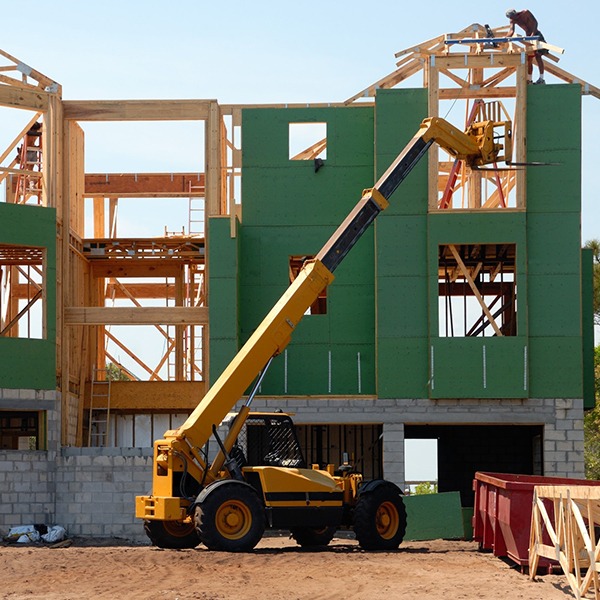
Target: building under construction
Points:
(464, 315)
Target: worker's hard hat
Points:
(511, 12)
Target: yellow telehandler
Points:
(263, 482)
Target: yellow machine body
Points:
(284, 486)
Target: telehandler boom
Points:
(228, 503)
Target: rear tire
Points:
(380, 518)
(309, 536)
(172, 534)
(231, 518)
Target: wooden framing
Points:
(103, 315)
(563, 529)
(148, 185)
(22, 279)
(476, 68)
(161, 282)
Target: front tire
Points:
(231, 518)
(380, 518)
(309, 536)
(172, 534)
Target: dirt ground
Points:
(278, 569)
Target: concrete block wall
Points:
(91, 491)
(27, 477)
(96, 490)
(563, 439)
(562, 420)
(27, 484)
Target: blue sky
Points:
(266, 51)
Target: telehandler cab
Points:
(228, 504)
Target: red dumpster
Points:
(502, 512)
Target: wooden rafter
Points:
(18, 74)
(479, 53)
(586, 88)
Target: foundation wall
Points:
(91, 491)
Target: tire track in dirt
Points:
(277, 570)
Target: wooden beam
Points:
(136, 110)
(231, 109)
(147, 396)
(473, 61)
(432, 74)
(146, 315)
(576, 492)
(26, 99)
(142, 290)
(475, 92)
(389, 81)
(520, 135)
(146, 185)
(99, 218)
(136, 268)
(212, 150)
(432, 43)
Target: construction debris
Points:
(27, 534)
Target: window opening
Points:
(477, 290)
(20, 430)
(22, 292)
(307, 141)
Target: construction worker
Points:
(528, 23)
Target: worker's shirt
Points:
(526, 21)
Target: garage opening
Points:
(464, 449)
(420, 465)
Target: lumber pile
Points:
(563, 528)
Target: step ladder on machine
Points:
(99, 421)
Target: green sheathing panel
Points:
(554, 241)
(222, 294)
(587, 326)
(291, 210)
(31, 363)
(401, 246)
(478, 367)
(434, 516)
